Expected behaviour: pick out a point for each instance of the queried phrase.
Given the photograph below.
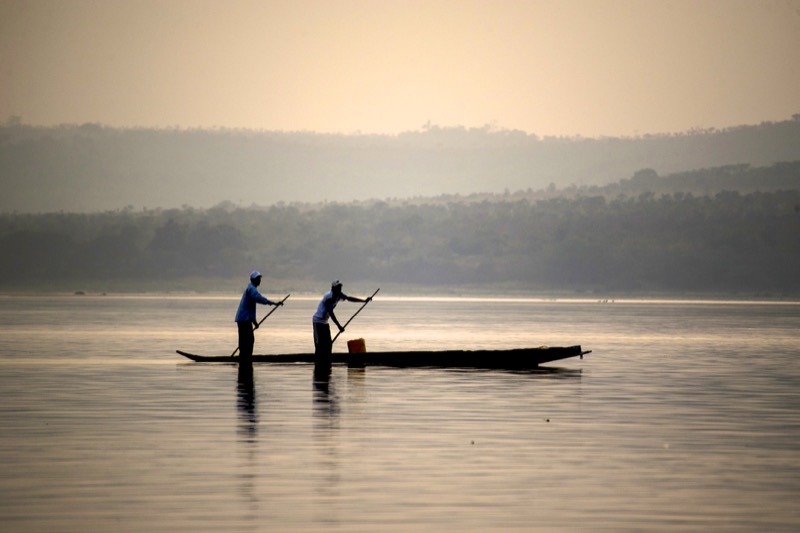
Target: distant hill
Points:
(784, 176)
(744, 179)
(91, 168)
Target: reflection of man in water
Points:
(325, 401)
(246, 315)
(246, 401)
(322, 330)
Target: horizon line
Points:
(429, 127)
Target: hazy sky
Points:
(560, 67)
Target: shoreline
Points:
(388, 294)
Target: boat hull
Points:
(520, 358)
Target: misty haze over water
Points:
(93, 168)
(666, 247)
(695, 235)
(585, 215)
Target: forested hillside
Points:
(726, 242)
(92, 168)
(704, 182)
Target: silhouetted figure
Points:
(322, 330)
(246, 316)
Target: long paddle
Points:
(354, 315)
(265, 317)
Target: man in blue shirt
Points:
(322, 330)
(246, 315)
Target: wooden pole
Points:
(354, 315)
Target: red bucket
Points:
(356, 346)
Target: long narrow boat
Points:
(520, 358)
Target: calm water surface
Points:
(686, 416)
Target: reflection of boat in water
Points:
(519, 358)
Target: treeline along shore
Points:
(687, 232)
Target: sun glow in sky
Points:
(570, 67)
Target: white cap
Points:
(255, 274)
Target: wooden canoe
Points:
(520, 358)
